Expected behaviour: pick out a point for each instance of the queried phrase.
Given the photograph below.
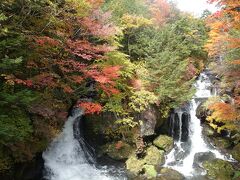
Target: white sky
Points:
(195, 7)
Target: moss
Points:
(164, 142)
(154, 156)
(219, 169)
(134, 165)
(150, 171)
(170, 174)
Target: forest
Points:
(128, 64)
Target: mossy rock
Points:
(164, 142)
(150, 171)
(219, 169)
(170, 174)
(236, 152)
(134, 165)
(154, 156)
(221, 143)
(117, 152)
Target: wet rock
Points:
(236, 152)
(149, 171)
(164, 142)
(117, 151)
(219, 169)
(203, 156)
(154, 156)
(169, 174)
(185, 126)
(199, 158)
(201, 112)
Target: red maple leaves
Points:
(90, 107)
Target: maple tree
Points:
(51, 54)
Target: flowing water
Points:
(181, 158)
(68, 157)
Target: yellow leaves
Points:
(131, 21)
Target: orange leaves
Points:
(217, 37)
(236, 62)
(222, 112)
(90, 107)
(67, 89)
(160, 11)
(221, 23)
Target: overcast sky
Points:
(195, 6)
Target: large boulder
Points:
(145, 166)
(199, 158)
(149, 121)
(218, 169)
(164, 142)
(203, 156)
(169, 174)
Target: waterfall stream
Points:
(181, 158)
(68, 158)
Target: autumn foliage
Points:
(222, 112)
(90, 107)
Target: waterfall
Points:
(68, 158)
(181, 158)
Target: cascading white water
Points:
(66, 159)
(181, 158)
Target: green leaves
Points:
(8, 63)
(14, 126)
